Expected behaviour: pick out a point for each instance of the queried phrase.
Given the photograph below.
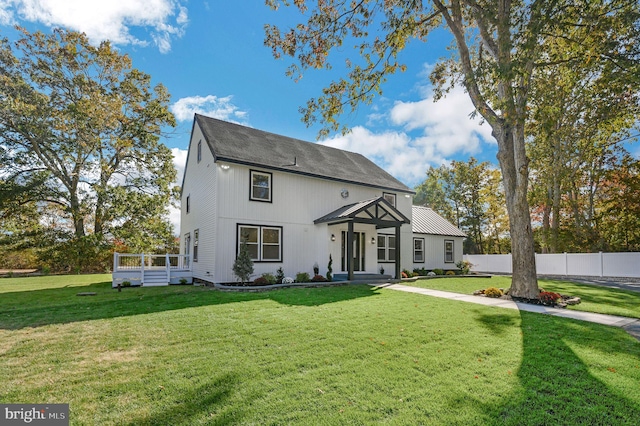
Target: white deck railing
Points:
(132, 267)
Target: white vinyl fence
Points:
(576, 264)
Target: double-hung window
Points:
(264, 242)
(448, 251)
(386, 248)
(260, 189)
(418, 250)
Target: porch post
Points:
(398, 276)
(350, 251)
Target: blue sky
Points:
(211, 57)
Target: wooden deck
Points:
(151, 269)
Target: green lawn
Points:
(334, 355)
(602, 300)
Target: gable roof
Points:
(244, 145)
(426, 221)
(376, 211)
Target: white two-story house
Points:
(295, 204)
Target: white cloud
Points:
(211, 106)
(431, 133)
(105, 20)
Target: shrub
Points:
(243, 265)
(403, 274)
(183, 281)
(549, 298)
(260, 281)
(438, 271)
(126, 283)
(302, 277)
(450, 273)
(493, 292)
(381, 270)
(271, 279)
(330, 269)
(420, 271)
(279, 275)
(318, 278)
(464, 266)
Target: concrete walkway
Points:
(631, 325)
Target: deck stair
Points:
(155, 277)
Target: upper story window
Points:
(199, 151)
(260, 189)
(448, 251)
(390, 198)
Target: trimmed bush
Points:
(318, 278)
(271, 279)
(450, 273)
(303, 277)
(438, 271)
(279, 275)
(420, 272)
(549, 298)
(260, 281)
(493, 292)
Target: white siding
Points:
(434, 252)
(199, 184)
(297, 201)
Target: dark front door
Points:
(358, 251)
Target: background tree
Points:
(79, 136)
(500, 46)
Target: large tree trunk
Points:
(515, 175)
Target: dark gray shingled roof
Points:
(426, 221)
(244, 145)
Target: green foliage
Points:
(464, 266)
(302, 277)
(80, 133)
(493, 292)
(420, 272)
(243, 265)
(330, 269)
(279, 275)
(183, 281)
(126, 283)
(271, 279)
(438, 271)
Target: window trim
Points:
(199, 151)
(386, 248)
(392, 195)
(260, 242)
(270, 176)
(196, 235)
(446, 250)
(422, 250)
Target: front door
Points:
(358, 251)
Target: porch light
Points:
(333, 237)
(224, 166)
(373, 240)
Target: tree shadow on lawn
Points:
(598, 295)
(62, 305)
(557, 386)
(206, 403)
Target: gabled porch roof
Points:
(376, 211)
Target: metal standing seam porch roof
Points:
(376, 211)
(234, 143)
